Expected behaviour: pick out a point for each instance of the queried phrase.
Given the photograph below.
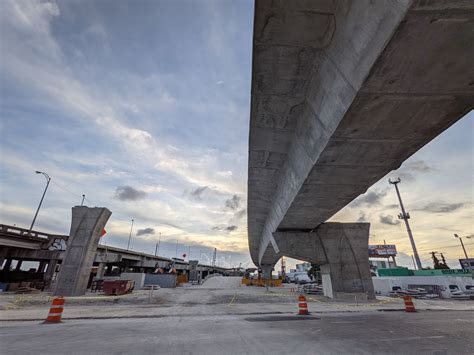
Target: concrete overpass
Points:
(342, 93)
(50, 250)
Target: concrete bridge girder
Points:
(330, 118)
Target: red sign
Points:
(104, 232)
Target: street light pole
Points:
(157, 247)
(130, 236)
(83, 197)
(48, 179)
(405, 216)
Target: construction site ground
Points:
(233, 319)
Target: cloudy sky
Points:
(143, 107)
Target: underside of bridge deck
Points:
(342, 93)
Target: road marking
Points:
(233, 299)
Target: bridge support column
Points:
(86, 226)
(100, 270)
(18, 265)
(41, 267)
(267, 271)
(48, 276)
(8, 265)
(341, 249)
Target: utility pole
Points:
(464, 248)
(406, 216)
(176, 254)
(462, 244)
(48, 179)
(157, 247)
(130, 236)
(283, 267)
(214, 257)
(83, 197)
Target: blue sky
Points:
(144, 107)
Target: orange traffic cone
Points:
(303, 307)
(409, 306)
(55, 311)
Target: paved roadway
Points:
(426, 332)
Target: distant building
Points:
(380, 264)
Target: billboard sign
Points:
(382, 251)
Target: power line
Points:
(445, 247)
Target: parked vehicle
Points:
(301, 278)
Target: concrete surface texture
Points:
(240, 320)
(203, 301)
(222, 282)
(86, 227)
(342, 93)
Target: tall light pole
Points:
(157, 247)
(83, 197)
(130, 236)
(462, 244)
(406, 216)
(48, 179)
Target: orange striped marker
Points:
(303, 307)
(409, 305)
(55, 311)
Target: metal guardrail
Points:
(311, 289)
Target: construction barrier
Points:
(55, 311)
(182, 279)
(302, 306)
(262, 282)
(409, 306)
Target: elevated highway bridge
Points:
(342, 93)
(50, 250)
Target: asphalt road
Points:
(427, 332)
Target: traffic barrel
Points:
(409, 305)
(55, 311)
(302, 306)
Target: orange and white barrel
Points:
(409, 305)
(302, 306)
(56, 310)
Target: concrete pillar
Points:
(41, 267)
(48, 276)
(341, 249)
(8, 265)
(86, 226)
(100, 271)
(267, 271)
(193, 273)
(18, 265)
